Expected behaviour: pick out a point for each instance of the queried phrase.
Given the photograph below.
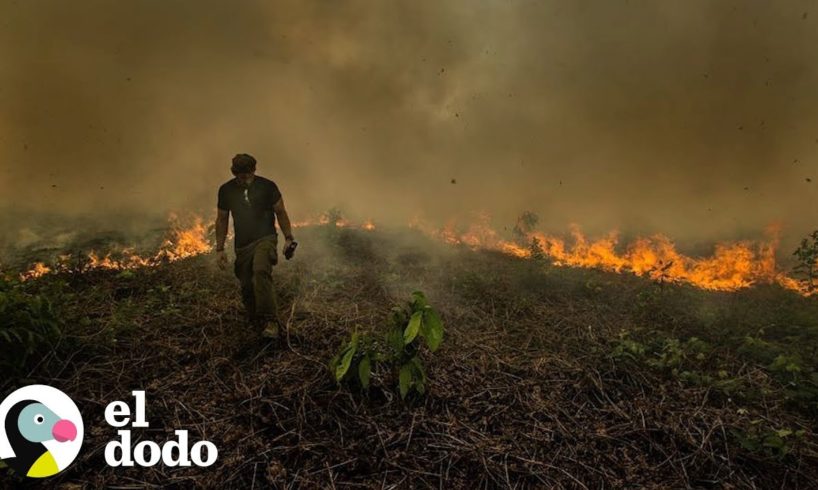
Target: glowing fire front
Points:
(37, 270)
(732, 266)
(181, 242)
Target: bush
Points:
(807, 266)
(28, 324)
(526, 223)
(410, 326)
(760, 438)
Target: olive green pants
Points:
(254, 268)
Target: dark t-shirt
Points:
(252, 211)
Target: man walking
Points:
(254, 202)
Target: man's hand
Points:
(221, 259)
(222, 219)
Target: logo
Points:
(149, 453)
(41, 431)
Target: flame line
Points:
(732, 266)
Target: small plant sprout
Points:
(410, 327)
(807, 265)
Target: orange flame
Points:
(326, 219)
(181, 242)
(185, 242)
(732, 266)
(38, 270)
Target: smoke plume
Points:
(697, 119)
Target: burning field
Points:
(575, 362)
(578, 245)
(732, 266)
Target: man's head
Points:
(244, 168)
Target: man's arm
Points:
(222, 220)
(283, 220)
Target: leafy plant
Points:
(758, 350)
(28, 324)
(759, 438)
(676, 353)
(800, 381)
(415, 322)
(626, 349)
(536, 250)
(661, 273)
(526, 223)
(807, 257)
(356, 356)
(410, 327)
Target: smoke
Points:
(696, 119)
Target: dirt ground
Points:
(547, 377)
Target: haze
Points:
(696, 119)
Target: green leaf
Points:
(746, 441)
(433, 329)
(418, 301)
(774, 442)
(420, 385)
(346, 358)
(399, 318)
(413, 327)
(334, 362)
(417, 365)
(364, 371)
(394, 339)
(419, 375)
(784, 363)
(405, 379)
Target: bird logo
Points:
(41, 431)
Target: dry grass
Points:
(525, 392)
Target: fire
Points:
(38, 270)
(732, 266)
(335, 220)
(129, 260)
(185, 242)
(182, 242)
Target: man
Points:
(254, 203)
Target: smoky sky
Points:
(696, 119)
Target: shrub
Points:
(762, 439)
(28, 324)
(807, 257)
(526, 223)
(410, 327)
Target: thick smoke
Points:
(698, 119)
